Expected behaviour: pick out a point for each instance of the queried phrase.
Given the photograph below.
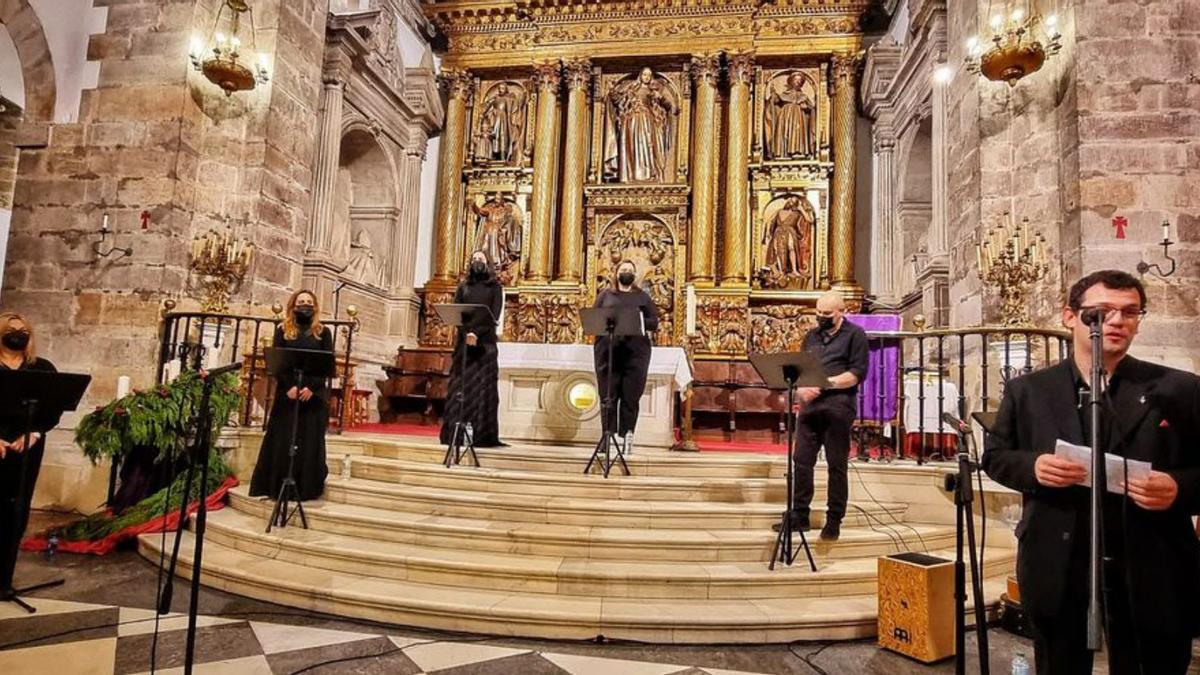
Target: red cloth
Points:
(169, 521)
(945, 445)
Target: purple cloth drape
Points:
(878, 394)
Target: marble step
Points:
(522, 614)
(879, 537)
(645, 462)
(512, 481)
(468, 567)
(570, 510)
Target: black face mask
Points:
(478, 269)
(825, 322)
(625, 278)
(303, 315)
(16, 340)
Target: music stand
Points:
(298, 363)
(610, 322)
(43, 396)
(462, 439)
(788, 371)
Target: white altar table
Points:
(536, 385)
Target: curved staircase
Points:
(529, 546)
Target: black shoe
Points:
(832, 531)
(799, 524)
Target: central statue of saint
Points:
(640, 116)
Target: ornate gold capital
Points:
(578, 73)
(844, 72)
(706, 69)
(547, 75)
(741, 68)
(457, 83)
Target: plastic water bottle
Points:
(51, 546)
(346, 467)
(470, 434)
(1020, 665)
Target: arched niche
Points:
(365, 210)
(915, 188)
(34, 59)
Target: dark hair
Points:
(1114, 279)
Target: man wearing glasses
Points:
(1149, 413)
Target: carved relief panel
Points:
(779, 328)
(496, 219)
(650, 243)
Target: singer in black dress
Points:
(19, 466)
(301, 329)
(478, 381)
(631, 354)
(481, 404)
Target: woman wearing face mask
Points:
(481, 402)
(301, 329)
(19, 464)
(631, 354)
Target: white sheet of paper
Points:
(1114, 465)
(642, 323)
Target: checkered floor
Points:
(69, 638)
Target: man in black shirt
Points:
(1149, 413)
(826, 414)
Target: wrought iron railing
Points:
(976, 361)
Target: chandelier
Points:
(1017, 43)
(224, 67)
(221, 261)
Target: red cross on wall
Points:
(1120, 222)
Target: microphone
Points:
(1094, 315)
(958, 425)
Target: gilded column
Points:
(736, 259)
(329, 146)
(705, 70)
(841, 235)
(548, 77)
(570, 223)
(450, 185)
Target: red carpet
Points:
(706, 444)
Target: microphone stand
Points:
(964, 496)
(1095, 623)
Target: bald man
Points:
(826, 414)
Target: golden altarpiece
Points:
(710, 141)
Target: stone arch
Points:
(33, 51)
(365, 208)
(914, 190)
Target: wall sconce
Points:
(98, 247)
(224, 68)
(1166, 243)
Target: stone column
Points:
(938, 240)
(736, 258)
(450, 185)
(575, 154)
(705, 70)
(883, 219)
(410, 189)
(844, 75)
(325, 164)
(548, 77)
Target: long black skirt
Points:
(310, 469)
(481, 403)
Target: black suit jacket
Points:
(1157, 414)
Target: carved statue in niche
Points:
(640, 116)
(498, 234)
(650, 245)
(363, 267)
(343, 198)
(787, 242)
(791, 130)
(501, 124)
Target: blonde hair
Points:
(6, 319)
(290, 330)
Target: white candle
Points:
(690, 322)
(122, 386)
(1166, 230)
(104, 225)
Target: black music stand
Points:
(43, 396)
(462, 440)
(299, 363)
(610, 322)
(788, 371)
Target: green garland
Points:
(154, 418)
(101, 525)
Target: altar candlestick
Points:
(690, 322)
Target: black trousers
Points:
(824, 422)
(631, 362)
(1060, 640)
(14, 508)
